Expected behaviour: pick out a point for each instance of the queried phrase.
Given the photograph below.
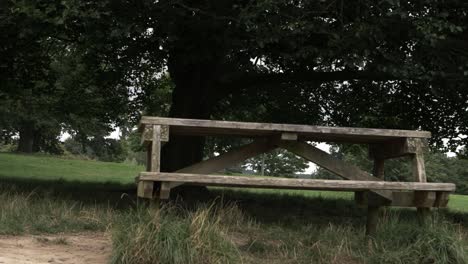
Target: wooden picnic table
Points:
(370, 190)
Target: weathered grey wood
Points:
(330, 163)
(442, 199)
(145, 189)
(419, 175)
(372, 210)
(287, 183)
(397, 148)
(419, 169)
(228, 159)
(147, 134)
(423, 199)
(197, 127)
(406, 199)
(156, 149)
(164, 190)
(372, 220)
(288, 136)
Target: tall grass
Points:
(224, 234)
(174, 235)
(409, 242)
(40, 211)
(243, 227)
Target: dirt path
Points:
(90, 248)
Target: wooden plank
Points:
(372, 220)
(147, 134)
(397, 148)
(306, 132)
(145, 189)
(419, 175)
(288, 136)
(401, 199)
(423, 199)
(228, 159)
(164, 190)
(442, 199)
(419, 169)
(287, 183)
(331, 164)
(156, 149)
(373, 210)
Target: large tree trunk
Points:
(26, 138)
(193, 97)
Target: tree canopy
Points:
(390, 64)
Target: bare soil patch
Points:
(90, 248)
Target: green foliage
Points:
(277, 163)
(86, 66)
(99, 148)
(51, 80)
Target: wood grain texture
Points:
(373, 210)
(287, 183)
(164, 190)
(442, 199)
(397, 148)
(198, 127)
(145, 189)
(147, 134)
(405, 199)
(156, 149)
(423, 199)
(419, 168)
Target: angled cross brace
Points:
(222, 161)
(332, 164)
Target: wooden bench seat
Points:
(403, 194)
(289, 183)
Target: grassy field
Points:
(30, 168)
(43, 194)
(48, 168)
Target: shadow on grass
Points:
(114, 194)
(285, 209)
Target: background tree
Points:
(349, 63)
(277, 163)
